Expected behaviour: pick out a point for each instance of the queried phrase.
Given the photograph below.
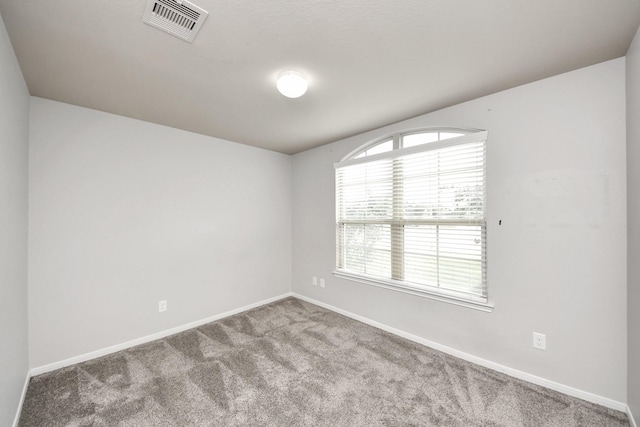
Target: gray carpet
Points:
(291, 363)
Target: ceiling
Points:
(369, 62)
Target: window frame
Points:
(444, 294)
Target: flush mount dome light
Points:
(292, 84)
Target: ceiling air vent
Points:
(180, 18)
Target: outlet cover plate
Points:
(539, 341)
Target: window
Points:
(410, 215)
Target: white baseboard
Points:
(16, 419)
(590, 397)
(118, 347)
(632, 422)
(580, 394)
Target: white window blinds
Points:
(415, 217)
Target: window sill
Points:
(400, 287)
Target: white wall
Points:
(124, 213)
(633, 223)
(557, 264)
(14, 140)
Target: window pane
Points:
(448, 257)
(354, 248)
(367, 249)
(367, 201)
(419, 139)
(461, 241)
(421, 255)
(365, 191)
(449, 135)
(444, 183)
(461, 275)
(421, 185)
(420, 197)
(380, 148)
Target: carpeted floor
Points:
(291, 363)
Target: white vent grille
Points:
(180, 18)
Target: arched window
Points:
(410, 214)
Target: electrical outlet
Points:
(162, 305)
(322, 283)
(539, 341)
(314, 280)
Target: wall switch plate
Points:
(162, 305)
(314, 280)
(539, 341)
(322, 283)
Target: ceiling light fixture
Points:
(292, 84)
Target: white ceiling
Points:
(369, 62)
